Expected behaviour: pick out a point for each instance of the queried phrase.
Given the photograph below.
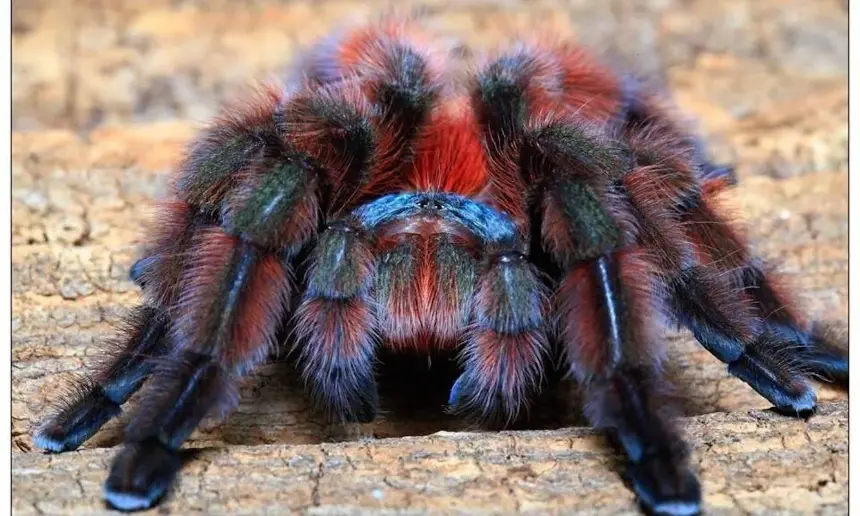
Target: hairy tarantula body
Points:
(543, 204)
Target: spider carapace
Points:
(539, 204)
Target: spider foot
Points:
(460, 394)
(71, 427)
(488, 407)
(138, 269)
(141, 475)
(791, 396)
(365, 410)
(347, 397)
(664, 487)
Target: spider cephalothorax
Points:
(542, 204)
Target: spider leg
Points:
(372, 91)
(335, 325)
(786, 349)
(721, 321)
(716, 288)
(608, 320)
(184, 390)
(376, 88)
(231, 303)
(570, 168)
(506, 344)
(827, 355)
(97, 401)
(249, 203)
(701, 298)
(94, 401)
(813, 347)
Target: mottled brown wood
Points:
(106, 93)
(751, 463)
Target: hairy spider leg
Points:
(718, 288)
(243, 202)
(506, 343)
(93, 403)
(395, 78)
(802, 347)
(398, 75)
(606, 304)
(234, 291)
(231, 303)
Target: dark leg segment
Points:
(774, 372)
(184, 389)
(96, 403)
(827, 355)
(722, 321)
(818, 349)
(608, 322)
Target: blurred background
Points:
(81, 64)
(105, 93)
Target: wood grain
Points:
(751, 463)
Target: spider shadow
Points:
(413, 394)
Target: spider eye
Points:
(512, 257)
(430, 204)
(340, 226)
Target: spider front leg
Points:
(506, 344)
(220, 268)
(335, 325)
(608, 317)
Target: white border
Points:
(6, 246)
(854, 224)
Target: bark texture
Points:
(750, 462)
(106, 93)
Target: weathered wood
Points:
(102, 97)
(750, 462)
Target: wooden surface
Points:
(753, 462)
(106, 92)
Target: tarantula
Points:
(539, 203)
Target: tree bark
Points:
(749, 462)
